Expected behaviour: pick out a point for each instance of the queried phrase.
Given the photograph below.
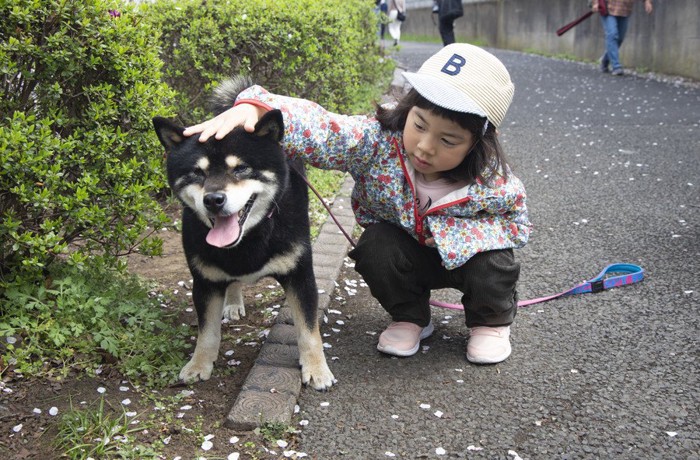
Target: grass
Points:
(98, 432)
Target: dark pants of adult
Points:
(446, 26)
(401, 273)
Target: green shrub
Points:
(323, 51)
(82, 319)
(79, 163)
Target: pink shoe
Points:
(488, 345)
(403, 338)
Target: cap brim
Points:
(439, 93)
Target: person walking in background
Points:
(396, 8)
(382, 10)
(439, 204)
(615, 26)
(448, 11)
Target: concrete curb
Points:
(272, 387)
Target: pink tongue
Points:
(226, 230)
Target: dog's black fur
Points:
(243, 177)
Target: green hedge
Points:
(79, 163)
(324, 51)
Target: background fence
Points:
(667, 41)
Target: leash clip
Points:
(597, 286)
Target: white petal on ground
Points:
(325, 404)
(389, 454)
(425, 406)
(440, 451)
(17, 428)
(282, 443)
(126, 401)
(672, 433)
(101, 390)
(514, 454)
(207, 445)
(472, 447)
(53, 410)
(438, 413)
(303, 422)
(37, 410)
(233, 439)
(233, 456)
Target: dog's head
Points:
(232, 183)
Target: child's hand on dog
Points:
(246, 115)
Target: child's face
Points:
(434, 144)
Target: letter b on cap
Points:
(454, 65)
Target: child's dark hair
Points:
(486, 159)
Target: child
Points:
(439, 205)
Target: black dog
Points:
(245, 216)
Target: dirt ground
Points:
(180, 421)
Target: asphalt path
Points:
(611, 167)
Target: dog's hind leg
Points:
(302, 297)
(209, 303)
(233, 302)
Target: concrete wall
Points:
(667, 41)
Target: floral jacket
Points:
(470, 220)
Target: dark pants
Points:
(446, 26)
(401, 273)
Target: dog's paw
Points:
(318, 377)
(194, 371)
(234, 311)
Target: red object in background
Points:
(562, 30)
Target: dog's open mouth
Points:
(227, 229)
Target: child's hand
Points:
(246, 115)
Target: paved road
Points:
(611, 165)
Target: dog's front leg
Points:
(302, 297)
(209, 302)
(233, 302)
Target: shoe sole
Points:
(495, 360)
(424, 334)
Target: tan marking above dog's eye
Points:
(203, 164)
(232, 161)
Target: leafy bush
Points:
(324, 51)
(79, 84)
(82, 319)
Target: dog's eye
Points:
(197, 171)
(240, 169)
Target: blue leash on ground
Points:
(628, 273)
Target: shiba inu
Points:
(245, 217)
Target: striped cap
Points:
(465, 78)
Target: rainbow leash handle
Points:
(627, 274)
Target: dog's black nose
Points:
(214, 202)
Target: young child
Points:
(439, 205)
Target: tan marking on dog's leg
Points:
(314, 369)
(233, 302)
(208, 341)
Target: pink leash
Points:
(627, 273)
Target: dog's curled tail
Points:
(225, 94)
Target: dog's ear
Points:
(271, 124)
(169, 134)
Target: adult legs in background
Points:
(447, 30)
(615, 28)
